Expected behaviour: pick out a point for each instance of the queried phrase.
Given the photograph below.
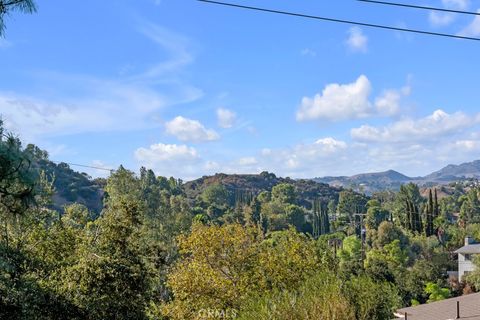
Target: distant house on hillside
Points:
(465, 257)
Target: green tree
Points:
(110, 279)
(284, 193)
(224, 265)
(375, 214)
(407, 210)
(372, 300)
(435, 292)
(429, 215)
(216, 195)
(470, 208)
(474, 277)
(319, 297)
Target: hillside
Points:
(392, 180)
(455, 172)
(368, 182)
(307, 190)
(73, 187)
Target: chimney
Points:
(469, 240)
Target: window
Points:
(468, 257)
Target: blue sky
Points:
(191, 89)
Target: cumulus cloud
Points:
(170, 159)
(190, 130)
(389, 102)
(330, 145)
(350, 101)
(437, 124)
(357, 41)
(306, 159)
(226, 118)
(338, 102)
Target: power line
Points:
(82, 165)
(420, 7)
(363, 24)
(3, 135)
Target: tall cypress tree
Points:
(436, 211)
(429, 210)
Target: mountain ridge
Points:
(392, 180)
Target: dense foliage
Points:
(157, 248)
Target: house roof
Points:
(471, 248)
(445, 309)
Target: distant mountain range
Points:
(392, 180)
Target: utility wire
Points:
(420, 7)
(363, 24)
(82, 165)
(3, 135)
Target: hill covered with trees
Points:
(226, 246)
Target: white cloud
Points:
(170, 160)
(247, 161)
(350, 101)
(305, 160)
(357, 41)
(82, 103)
(174, 44)
(456, 4)
(226, 118)
(443, 19)
(473, 29)
(190, 130)
(389, 103)
(338, 102)
(433, 126)
(166, 152)
(330, 145)
(440, 19)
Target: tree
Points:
(216, 195)
(407, 211)
(320, 219)
(436, 293)
(351, 255)
(470, 208)
(375, 214)
(224, 265)
(429, 215)
(284, 193)
(474, 277)
(295, 216)
(372, 300)
(319, 297)
(8, 6)
(110, 278)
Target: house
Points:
(466, 255)
(465, 307)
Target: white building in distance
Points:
(466, 255)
